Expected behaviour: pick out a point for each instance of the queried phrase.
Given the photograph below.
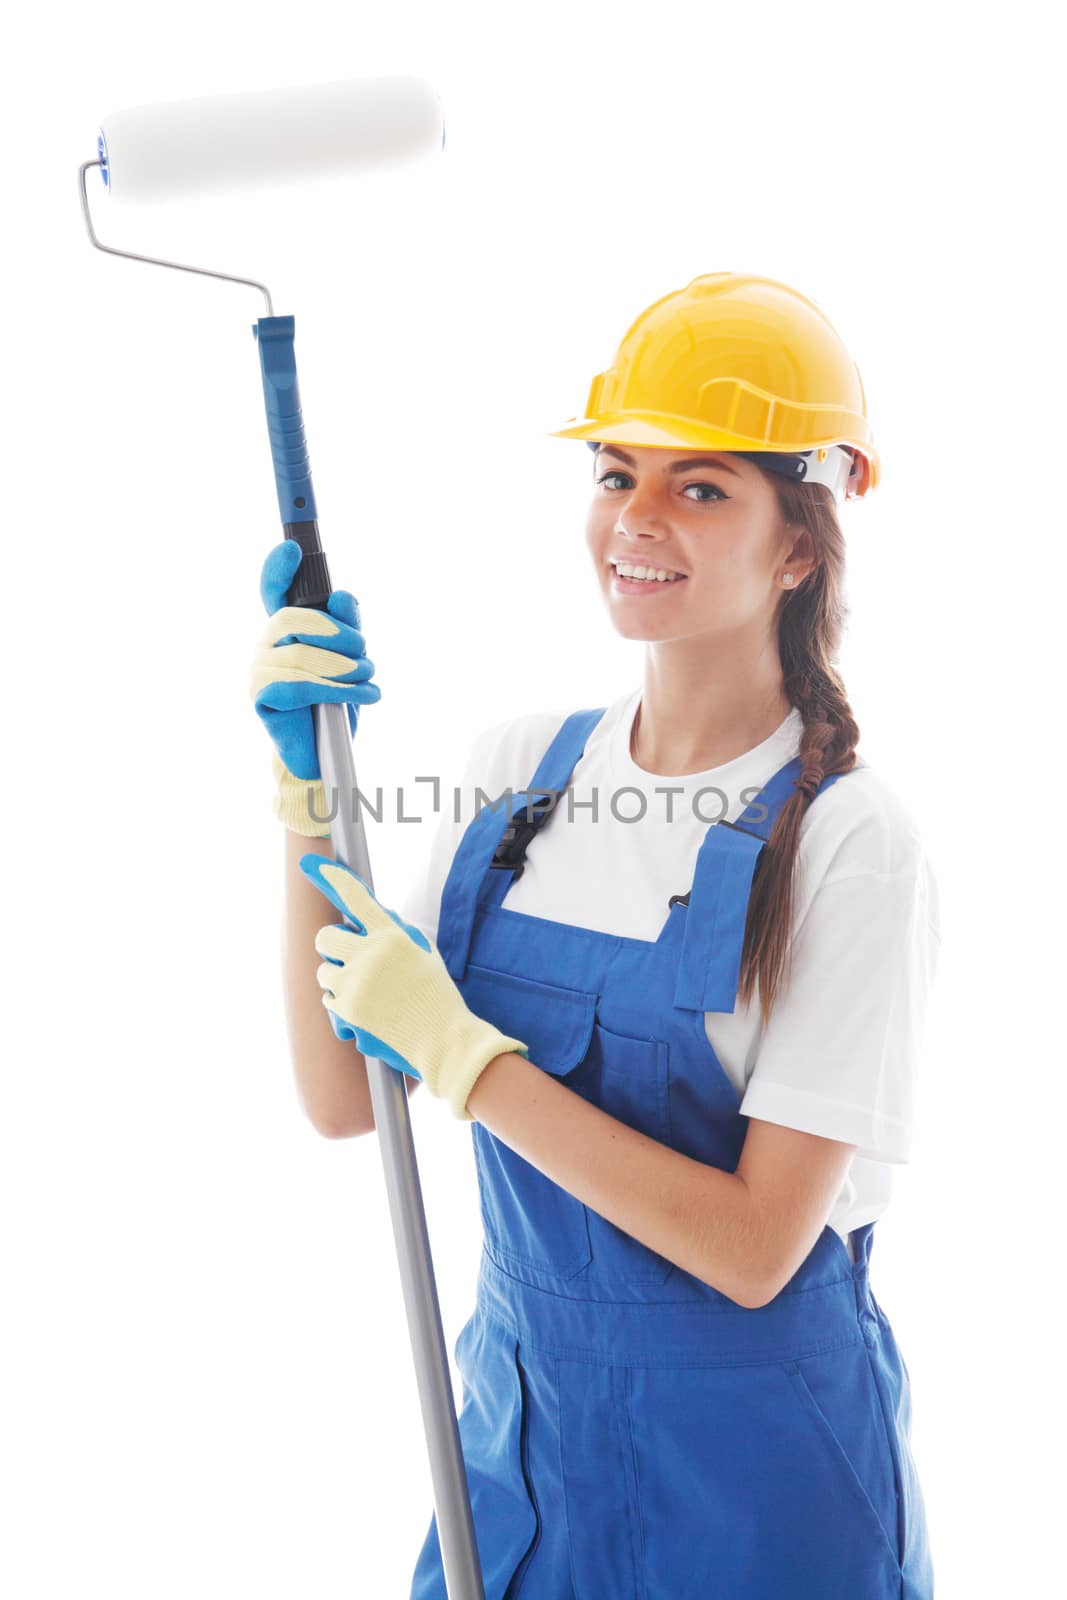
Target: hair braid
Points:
(811, 623)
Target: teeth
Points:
(649, 574)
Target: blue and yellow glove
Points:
(294, 669)
(387, 987)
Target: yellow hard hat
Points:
(742, 364)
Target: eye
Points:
(702, 485)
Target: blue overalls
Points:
(629, 1432)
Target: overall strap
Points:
(710, 961)
(499, 836)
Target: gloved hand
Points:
(388, 987)
(292, 670)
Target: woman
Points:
(683, 1028)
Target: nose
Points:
(641, 516)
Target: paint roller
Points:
(153, 153)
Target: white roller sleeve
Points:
(270, 136)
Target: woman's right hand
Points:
(305, 657)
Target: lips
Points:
(644, 586)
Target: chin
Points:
(634, 630)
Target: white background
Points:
(207, 1383)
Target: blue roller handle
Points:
(292, 469)
(389, 1101)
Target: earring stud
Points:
(787, 577)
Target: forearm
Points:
(331, 1074)
(696, 1216)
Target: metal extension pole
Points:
(392, 1114)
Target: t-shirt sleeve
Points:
(422, 903)
(840, 1052)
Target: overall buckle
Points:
(532, 814)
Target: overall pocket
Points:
(744, 1489)
(491, 1429)
(530, 1223)
(628, 1078)
(837, 1394)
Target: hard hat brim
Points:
(655, 429)
(659, 430)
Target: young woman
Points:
(675, 980)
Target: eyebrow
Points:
(675, 466)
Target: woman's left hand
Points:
(386, 985)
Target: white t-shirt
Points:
(840, 1052)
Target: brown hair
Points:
(810, 625)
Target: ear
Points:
(859, 476)
(798, 549)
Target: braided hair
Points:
(810, 626)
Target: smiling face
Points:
(711, 517)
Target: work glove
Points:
(304, 658)
(386, 986)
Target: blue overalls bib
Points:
(629, 1432)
